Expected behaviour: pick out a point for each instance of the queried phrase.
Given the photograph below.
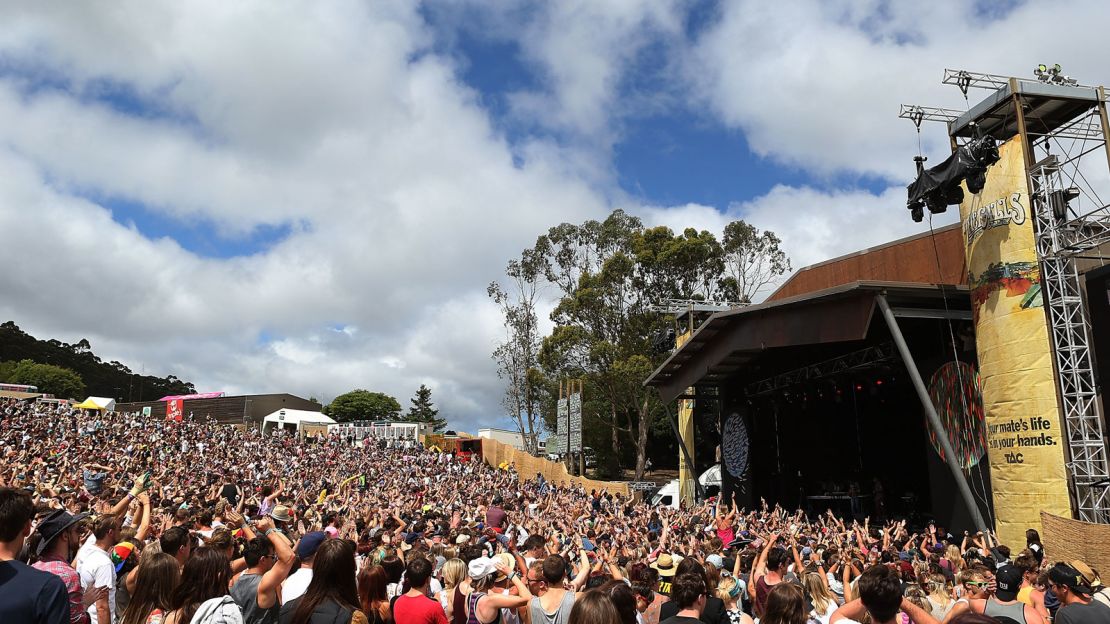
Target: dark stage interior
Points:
(855, 439)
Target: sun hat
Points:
(666, 564)
(1088, 574)
(481, 568)
(462, 539)
(506, 559)
(281, 513)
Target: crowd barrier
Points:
(1066, 539)
(496, 453)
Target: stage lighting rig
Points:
(1060, 200)
(1054, 75)
(939, 187)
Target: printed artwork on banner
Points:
(958, 398)
(1021, 422)
(735, 446)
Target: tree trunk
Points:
(642, 439)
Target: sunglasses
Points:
(977, 583)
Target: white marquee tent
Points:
(296, 418)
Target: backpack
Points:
(222, 610)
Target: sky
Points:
(311, 197)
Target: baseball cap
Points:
(310, 543)
(119, 554)
(1064, 574)
(716, 561)
(1008, 578)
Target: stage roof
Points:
(928, 257)
(729, 340)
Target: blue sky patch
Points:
(199, 236)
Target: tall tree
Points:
(517, 356)
(604, 320)
(752, 261)
(611, 276)
(422, 409)
(363, 405)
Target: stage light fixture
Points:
(1060, 201)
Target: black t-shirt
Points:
(32, 596)
(1078, 613)
(674, 619)
(713, 613)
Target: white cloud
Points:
(342, 121)
(329, 118)
(818, 84)
(814, 225)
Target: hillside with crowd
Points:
(111, 518)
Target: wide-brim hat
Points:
(281, 513)
(54, 525)
(666, 564)
(1088, 574)
(509, 561)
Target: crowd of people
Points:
(110, 518)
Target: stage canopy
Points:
(298, 418)
(729, 342)
(98, 403)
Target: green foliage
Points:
(363, 405)
(422, 409)
(517, 356)
(107, 379)
(752, 260)
(610, 276)
(49, 379)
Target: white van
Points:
(668, 495)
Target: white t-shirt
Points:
(95, 568)
(295, 586)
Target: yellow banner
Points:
(686, 477)
(1024, 437)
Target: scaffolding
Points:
(1064, 127)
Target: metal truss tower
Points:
(1065, 129)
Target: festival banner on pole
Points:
(686, 477)
(174, 409)
(1023, 428)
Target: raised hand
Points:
(265, 523)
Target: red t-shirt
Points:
(418, 610)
